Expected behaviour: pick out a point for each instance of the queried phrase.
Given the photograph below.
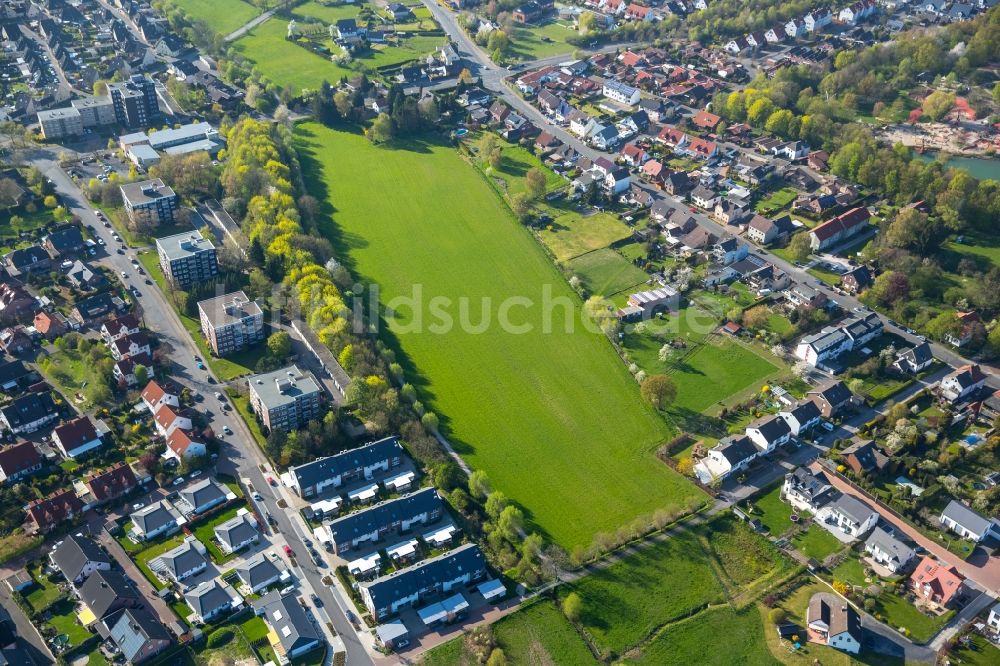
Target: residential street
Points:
(240, 456)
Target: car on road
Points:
(257, 496)
(226, 429)
(135, 291)
(100, 241)
(124, 275)
(178, 481)
(315, 600)
(120, 251)
(196, 473)
(201, 366)
(288, 550)
(272, 482)
(892, 323)
(135, 262)
(148, 281)
(198, 397)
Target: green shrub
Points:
(220, 637)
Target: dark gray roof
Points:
(805, 411)
(132, 628)
(209, 596)
(152, 517)
(203, 493)
(288, 620)
(104, 588)
(771, 427)
(72, 555)
(257, 569)
(889, 544)
(429, 573)
(185, 557)
(737, 449)
(967, 518)
(918, 355)
(404, 508)
(836, 393)
(809, 484)
(236, 531)
(29, 408)
(322, 469)
(853, 508)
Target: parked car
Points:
(288, 550)
(178, 481)
(138, 505)
(226, 429)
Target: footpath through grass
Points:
(550, 414)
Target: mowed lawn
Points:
(606, 272)
(572, 234)
(542, 41)
(629, 600)
(224, 16)
(553, 418)
(284, 62)
(716, 371)
(716, 637)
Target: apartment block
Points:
(284, 399)
(231, 322)
(187, 258)
(149, 201)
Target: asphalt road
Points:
(240, 455)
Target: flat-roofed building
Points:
(150, 201)
(135, 101)
(284, 399)
(187, 258)
(58, 123)
(231, 322)
(98, 111)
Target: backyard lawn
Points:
(143, 558)
(206, 534)
(774, 513)
(550, 384)
(572, 234)
(533, 43)
(775, 201)
(606, 272)
(286, 63)
(738, 637)
(627, 601)
(75, 374)
(977, 652)
(900, 614)
(816, 543)
(64, 621)
(327, 13)
(715, 372)
(223, 16)
(43, 593)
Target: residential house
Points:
(29, 413)
(119, 327)
(856, 280)
(95, 309)
(46, 513)
(366, 463)
(124, 371)
(130, 346)
(14, 375)
(655, 300)
(18, 461)
(839, 229)
(802, 417)
(288, 621)
(65, 240)
(833, 399)
(736, 45)
(864, 457)
(704, 197)
(791, 150)
(202, 496)
(15, 340)
(764, 231)
(284, 399)
(831, 621)
(27, 260)
(106, 592)
(958, 385)
(157, 519)
(969, 524)
(50, 326)
(730, 455)
(936, 584)
(888, 551)
(182, 562)
(769, 432)
(391, 517)
(15, 301)
(851, 516)
(604, 137)
(731, 212)
(167, 419)
(729, 250)
(702, 148)
(807, 490)
(968, 325)
(107, 486)
(237, 533)
(817, 20)
(259, 571)
(184, 444)
(706, 121)
(533, 11)
(914, 360)
(77, 557)
(77, 437)
(385, 596)
(156, 395)
(138, 634)
(993, 620)
(850, 334)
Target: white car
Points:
(124, 275)
(137, 506)
(178, 481)
(195, 473)
(226, 429)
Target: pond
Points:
(978, 167)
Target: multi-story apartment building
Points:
(284, 399)
(231, 322)
(59, 123)
(135, 101)
(96, 111)
(150, 202)
(187, 258)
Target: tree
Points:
(465, 76)
(659, 391)
(479, 484)
(996, 93)
(938, 104)
(535, 180)
(586, 22)
(495, 503)
(141, 375)
(909, 230)
(495, 157)
(776, 615)
(521, 205)
(448, 476)
(100, 88)
(381, 129)
(279, 345)
(800, 246)
(430, 421)
(757, 317)
(342, 102)
(510, 522)
(572, 606)
(50, 201)
(497, 658)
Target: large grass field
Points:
(284, 62)
(542, 41)
(629, 600)
(553, 418)
(716, 371)
(716, 637)
(224, 16)
(328, 13)
(571, 234)
(606, 272)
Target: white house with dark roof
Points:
(212, 599)
(76, 557)
(968, 523)
(887, 550)
(259, 571)
(802, 417)
(731, 455)
(390, 517)
(289, 622)
(203, 495)
(851, 516)
(365, 463)
(962, 383)
(993, 620)
(807, 490)
(237, 533)
(769, 432)
(182, 562)
(157, 519)
(915, 359)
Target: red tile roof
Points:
(942, 581)
(19, 457)
(841, 223)
(55, 508)
(705, 120)
(113, 483)
(74, 434)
